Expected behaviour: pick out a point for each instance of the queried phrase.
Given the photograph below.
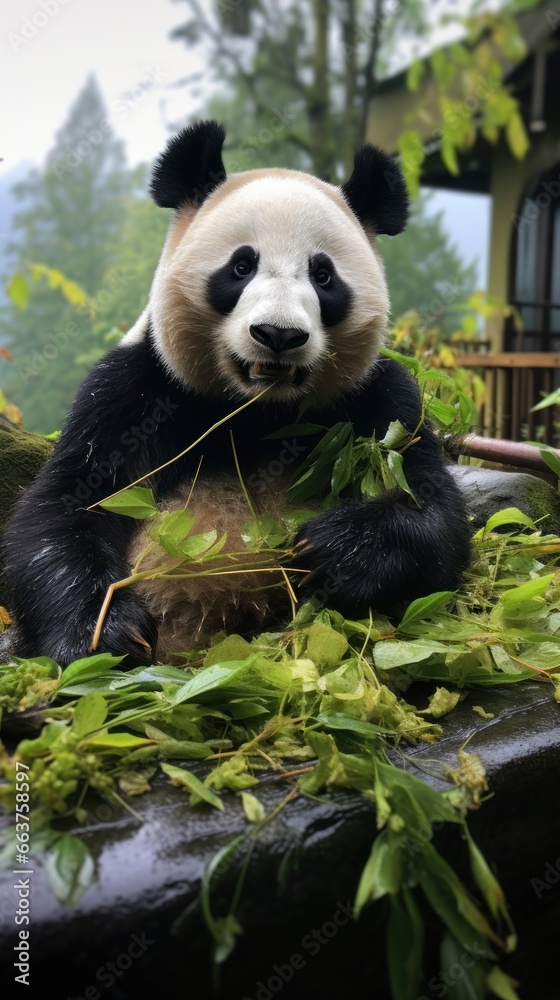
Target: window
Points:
(535, 268)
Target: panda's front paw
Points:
(332, 548)
(129, 630)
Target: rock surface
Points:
(124, 938)
(302, 878)
(486, 491)
(22, 454)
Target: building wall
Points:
(509, 180)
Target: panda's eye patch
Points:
(243, 267)
(227, 284)
(335, 296)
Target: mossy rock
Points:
(22, 453)
(486, 491)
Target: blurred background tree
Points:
(299, 75)
(292, 80)
(70, 218)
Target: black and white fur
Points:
(269, 277)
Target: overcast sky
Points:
(125, 42)
(48, 47)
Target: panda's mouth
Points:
(272, 371)
(268, 370)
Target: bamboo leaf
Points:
(253, 808)
(405, 946)
(70, 868)
(181, 777)
(424, 607)
(88, 668)
(517, 137)
(90, 714)
(137, 502)
(115, 743)
(18, 290)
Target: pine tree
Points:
(425, 271)
(70, 216)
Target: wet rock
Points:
(487, 491)
(138, 930)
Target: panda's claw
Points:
(310, 576)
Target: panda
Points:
(269, 278)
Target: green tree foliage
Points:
(71, 214)
(302, 73)
(472, 97)
(268, 78)
(136, 251)
(425, 271)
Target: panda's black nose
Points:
(278, 338)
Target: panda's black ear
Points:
(376, 191)
(190, 167)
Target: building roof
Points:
(534, 80)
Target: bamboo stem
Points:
(176, 458)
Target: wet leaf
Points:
(200, 793)
(115, 743)
(90, 714)
(70, 868)
(253, 809)
(325, 647)
(441, 702)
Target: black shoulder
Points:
(122, 387)
(389, 393)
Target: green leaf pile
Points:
(326, 698)
(325, 703)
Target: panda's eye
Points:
(243, 267)
(322, 277)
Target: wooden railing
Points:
(514, 384)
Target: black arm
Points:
(380, 553)
(60, 558)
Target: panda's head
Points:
(270, 277)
